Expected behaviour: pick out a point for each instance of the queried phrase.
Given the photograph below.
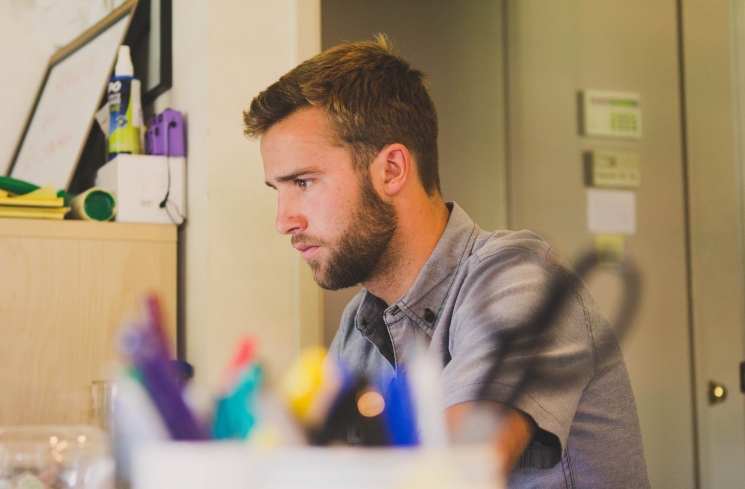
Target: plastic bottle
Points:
(125, 107)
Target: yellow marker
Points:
(311, 385)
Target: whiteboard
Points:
(62, 118)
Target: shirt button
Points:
(429, 316)
(395, 310)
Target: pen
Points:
(236, 412)
(399, 414)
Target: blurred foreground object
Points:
(55, 457)
(206, 466)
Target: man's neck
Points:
(419, 231)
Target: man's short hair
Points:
(372, 98)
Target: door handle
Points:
(717, 393)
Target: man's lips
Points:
(306, 250)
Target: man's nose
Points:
(289, 219)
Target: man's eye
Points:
(303, 184)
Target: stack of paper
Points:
(42, 203)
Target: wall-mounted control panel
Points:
(610, 114)
(612, 169)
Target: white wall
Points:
(238, 275)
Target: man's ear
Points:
(394, 167)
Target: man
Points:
(349, 142)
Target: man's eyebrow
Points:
(294, 176)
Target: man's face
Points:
(336, 218)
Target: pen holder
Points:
(235, 465)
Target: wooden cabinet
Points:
(65, 287)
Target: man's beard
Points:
(364, 249)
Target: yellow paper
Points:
(42, 197)
(33, 212)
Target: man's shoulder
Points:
(492, 243)
(502, 255)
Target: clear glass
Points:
(55, 457)
(101, 405)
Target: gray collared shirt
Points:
(476, 283)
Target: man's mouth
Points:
(306, 250)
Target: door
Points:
(713, 46)
(556, 49)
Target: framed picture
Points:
(71, 91)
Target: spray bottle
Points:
(125, 109)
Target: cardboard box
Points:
(140, 184)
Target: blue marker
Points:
(400, 414)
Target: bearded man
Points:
(349, 142)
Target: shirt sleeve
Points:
(500, 294)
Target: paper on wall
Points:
(611, 211)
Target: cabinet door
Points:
(64, 289)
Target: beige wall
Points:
(458, 45)
(556, 49)
(239, 276)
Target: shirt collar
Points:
(424, 301)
